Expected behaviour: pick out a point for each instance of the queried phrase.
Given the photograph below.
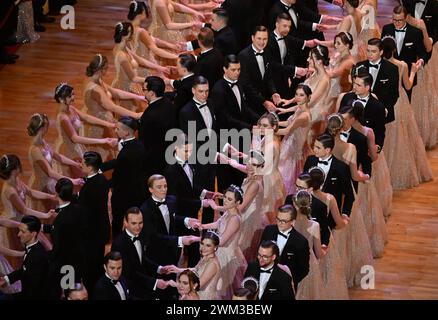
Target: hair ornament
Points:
(244, 281)
(62, 85)
(6, 160)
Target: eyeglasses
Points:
(263, 256)
(283, 221)
(398, 20)
(300, 187)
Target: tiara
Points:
(6, 160)
(335, 115)
(388, 37)
(39, 118)
(244, 281)
(213, 232)
(306, 192)
(318, 169)
(62, 85)
(119, 24)
(135, 5)
(275, 115)
(100, 60)
(349, 36)
(319, 50)
(238, 189)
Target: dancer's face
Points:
(319, 150)
(373, 53)
(301, 96)
(229, 200)
(265, 257)
(184, 286)
(340, 46)
(134, 223)
(233, 71)
(159, 189)
(260, 40)
(114, 269)
(207, 247)
(284, 221)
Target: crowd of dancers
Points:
(295, 213)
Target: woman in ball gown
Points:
(188, 285)
(367, 198)
(143, 44)
(369, 25)
(253, 221)
(352, 242)
(340, 67)
(331, 266)
(266, 141)
(41, 157)
(404, 148)
(68, 122)
(294, 147)
(380, 171)
(126, 63)
(99, 102)
(13, 198)
(319, 83)
(25, 24)
(311, 287)
(352, 24)
(164, 24)
(5, 267)
(208, 268)
(424, 99)
(228, 226)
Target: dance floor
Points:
(408, 267)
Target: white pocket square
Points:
(333, 179)
(409, 44)
(272, 290)
(384, 80)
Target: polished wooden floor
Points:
(408, 268)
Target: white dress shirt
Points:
(206, 114)
(164, 212)
(121, 141)
(236, 92)
(118, 287)
(374, 71)
(281, 241)
(186, 167)
(260, 61)
(264, 279)
(400, 38)
(325, 167)
(282, 46)
(137, 245)
(345, 135)
(419, 9)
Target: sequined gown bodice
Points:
(210, 291)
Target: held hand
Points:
(269, 106)
(310, 43)
(77, 182)
(2, 281)
(213, 205)
(112, 142)
(172, 269)
(276, 98)
(338, 3)
(301, 72)
(161, 284)
(199, 16)
(52, 213)
(172, 283)
(194, 223)
(165, 70)
(197, 24)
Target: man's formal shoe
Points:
(39, 28)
